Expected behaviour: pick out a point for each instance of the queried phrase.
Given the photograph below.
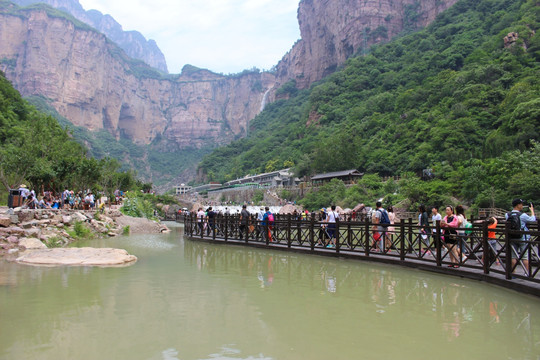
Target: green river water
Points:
(189, 300)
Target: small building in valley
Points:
(347, 176)
(279, 178)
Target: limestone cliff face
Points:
(132, 42)
(94, 84)
(333, 30)
(90, 81)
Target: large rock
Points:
(26, 215)
(13, 240)
(5, 221)
(77, 216)
(32, 233)
(78, 256)
(31, 243)
(16, 231)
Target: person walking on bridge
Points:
(268, 223)
(244, 218)
(518, 222)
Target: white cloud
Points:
(225, 36)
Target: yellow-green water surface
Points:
(189, 300)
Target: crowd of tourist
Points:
(67, 199)
(453, 223)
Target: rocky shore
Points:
(22, 229)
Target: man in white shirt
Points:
(331, 219)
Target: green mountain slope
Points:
(36, 150)
(449, 97)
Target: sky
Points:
(225, 36)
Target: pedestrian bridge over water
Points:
(405, 245)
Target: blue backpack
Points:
(384, 220)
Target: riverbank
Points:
(22, 229)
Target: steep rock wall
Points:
(88, 80)
(333, 30)
(132, 42)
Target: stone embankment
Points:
(22, 229)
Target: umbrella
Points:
(359, 207)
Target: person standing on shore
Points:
(519, 245)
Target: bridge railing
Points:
(404, 241)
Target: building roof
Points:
(338, 174)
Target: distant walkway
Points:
(404, 246)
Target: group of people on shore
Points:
(67, 199)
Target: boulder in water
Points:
(77, 257)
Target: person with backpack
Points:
(268, 222)
(517, 222)
(381, 221)
(211, 218)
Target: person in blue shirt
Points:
(521, 247)
(268, 219)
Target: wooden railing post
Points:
(246, 229)
(486, 247)
(438, 242)
(509, 249)
(402, 237)
(298, 232)
(289, 230)
(336, 234)
(312, 232)
(368, 243)
(226, 227)
(410, 236)
(349, 235)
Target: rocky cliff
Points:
(90, 81)
(132, 42)
(94, 84)
(333, 30)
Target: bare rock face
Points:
(78, 257)
(332, 31)
(95, 85)
(510, 39)
(132, 42)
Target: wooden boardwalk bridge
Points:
(406, 245)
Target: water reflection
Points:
(188, 300)
(460, 307)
